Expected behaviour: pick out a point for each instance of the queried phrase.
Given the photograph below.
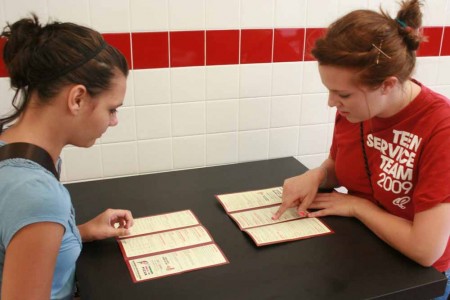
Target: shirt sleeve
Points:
(434, 170)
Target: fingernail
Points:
(302, 214)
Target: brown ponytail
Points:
(43, 59)
(373, 44)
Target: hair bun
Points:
(409, 21)
(21, 39)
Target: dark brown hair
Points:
(375, 45)
(44, 59)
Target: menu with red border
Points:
(253, 211)
(168, 244)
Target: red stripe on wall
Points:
(147, 50)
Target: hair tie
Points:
(403, 25)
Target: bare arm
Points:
(30, 262)
(423, 240)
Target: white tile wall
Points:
(149, 15)
(155, 155)
(153, 121)
(110, 15)
(151, 86)
(290, 13)
(320, 13)
(253, 145)
(76, 11)
(257, 13)
(287, 78)
(222, 82)
(15, 9)
(254, 113)
(285, 111)
(188, 119)
(188, 84)
(189, 152)
(177, 118)
(222, 116)
(283, 142)
(255, 80)
(221, 148)
(186, 15)
(222, 14)
(119, 159)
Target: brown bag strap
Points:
(30, 152)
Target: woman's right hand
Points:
(300, 191)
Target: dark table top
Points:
(352, 263)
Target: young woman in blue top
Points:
(69, 83)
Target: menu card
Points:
(253, 211)
(168, 244)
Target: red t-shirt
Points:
(408, 155)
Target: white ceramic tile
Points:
(221, 148)
(151, 86)
(62, 173)
(255, 80)
(17, 9)
(391, 7)
(257, 13)
(311, 79)
(312, 161)
(2, 15)
(254, 113)
(331, 114)
(346, 6)
(125, 130)
(447, 14)
(253, 145)
(155, 155)
(330, 134)
(222, 82)
(285, 111)
(313, 139)
(149, 15)
(153, 121)
(110, 15)
(426, 68)
(189, 152)
(283, 142)
(434, 12)
(222, 14)
(186, 15)
(314, 109)
(321, 13)
(188, 84)
(222, 116)
(290, 13)
(75, 11)
(6, 96)
(443, 90)
(443, 70)
(287, 78)
(119, 159)
(129, 94)
(83, 163)
(188, 119)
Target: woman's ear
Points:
(77, 98)
(388, 84)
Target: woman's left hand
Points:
(110, 223)
(334, 203)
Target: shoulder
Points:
(29, 194)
